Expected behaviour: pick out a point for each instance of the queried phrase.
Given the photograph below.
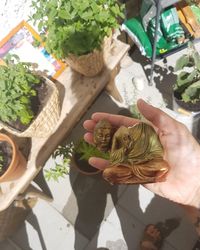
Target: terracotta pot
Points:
(18, 162)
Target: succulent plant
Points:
(188, 75)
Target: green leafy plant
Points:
(17, 84)
(64, 154)
(135, 111)
(75, 26)
(188, 77)
(195, 2)
(87, 150)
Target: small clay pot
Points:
(18, 162)
(83, 166)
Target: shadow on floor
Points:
(91, 196)
(163, 76)
(13, 220)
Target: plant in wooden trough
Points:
(187, 86)
(12, 162)
(76, 30)
(23, 96)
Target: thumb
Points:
(156, 116)
(98, 163)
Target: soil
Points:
(195, 107)
(6, 149)
(37, 103)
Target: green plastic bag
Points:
(161, 46)
(135, 29)
(170, 25)
(169, 30)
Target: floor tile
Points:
(8, 245)
(46, 229)
(148, 208)
(120, 231)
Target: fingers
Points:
(88, 137)
(89, 125)
(98, 163)
(115, 120)
(157, 117)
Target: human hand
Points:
(181, 151)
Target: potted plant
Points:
(28, 102)
(75, 31)
(12, 162)
(76, 156)
(187, 86)
(196, 2)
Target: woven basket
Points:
(43, 125)
(91, 64)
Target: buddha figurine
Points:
(103, 133)
(136, 154)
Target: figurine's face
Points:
(102, 138)
(126, 139)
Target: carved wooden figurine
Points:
(136, 155)
(103, 133)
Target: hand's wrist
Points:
(194, 215)
(196, 200)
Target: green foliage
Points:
(36, 43)
(75, 26)
(135, 112)
(187, 82)
(16, 89)
(191, 2)
(64, 153)
(88, 150)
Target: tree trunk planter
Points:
(91, 64)
(14, 163)
(47, 110)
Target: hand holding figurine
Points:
(180, 150)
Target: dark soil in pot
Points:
(195, 107)
(83, 166)
(6, 150)
(37, 104)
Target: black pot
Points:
(83, 166)
(194, 107)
